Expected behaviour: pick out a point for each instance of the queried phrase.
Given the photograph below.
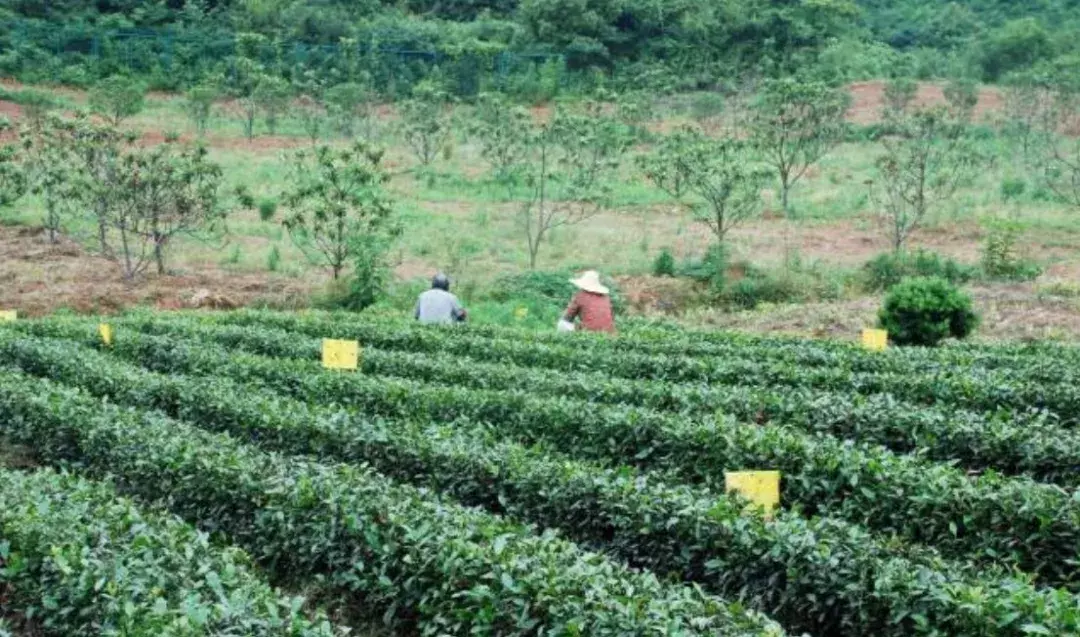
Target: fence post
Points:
(168, 51)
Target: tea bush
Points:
(925, 311)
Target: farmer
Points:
(437, 305)
(591, 305)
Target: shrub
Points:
(1000, 259)
(273, 260)
(367, 281)
(267, 208)
(889, 268)
(761, 287)
(707, 109)
(664, 265)
(234, 257)
(711, 269)
(35, 104)
(546, 288)
(926, 310)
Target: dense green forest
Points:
(688, 43)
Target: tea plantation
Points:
(205, 474)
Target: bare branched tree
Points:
(928, 154)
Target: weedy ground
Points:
(458, 220)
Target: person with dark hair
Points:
(438, 305)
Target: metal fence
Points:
(174, 58)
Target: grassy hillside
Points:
(682, 44)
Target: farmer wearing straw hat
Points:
(591, 305)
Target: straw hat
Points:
(590, 282)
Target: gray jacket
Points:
(439, 306)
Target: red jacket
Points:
(594, 310)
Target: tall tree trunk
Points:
(534, 249)
(102, 232)
(159, 246)
(129, 272)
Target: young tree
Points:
(12, 175)
(898, 96)
(36, 106)
(928, 154)
(159, 193)
(795, 123)
(309, 107)
(503, 131)
(49, 168)
(117, 98)
(351, 107)
(1027, 114)
(245, 75)
(665, 165)
(312, 115)
(565, 173)
(1052, 144)
(272, 96)
(718, 180)
(92, 150)
(98, 150)
(635, 109)
(242, 87)
(199, 105)
(335, 202)
(13, 169)
(425, 120)
(709, 111)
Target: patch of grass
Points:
(1060, 289)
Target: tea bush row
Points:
(77, 560)
(1040, 361)
(990, 518)
(822, 576)
(1027, 443)
(972, 388)
(428, 564)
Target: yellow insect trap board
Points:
(875, 340)
(760, 487)
(106, 332)
(338, 354)
(8, 315)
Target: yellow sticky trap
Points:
(340, 354)
(8, 315)
(106, 332)
(521, 313)
(875, 340)
(760, 487)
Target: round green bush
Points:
(926, 310)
